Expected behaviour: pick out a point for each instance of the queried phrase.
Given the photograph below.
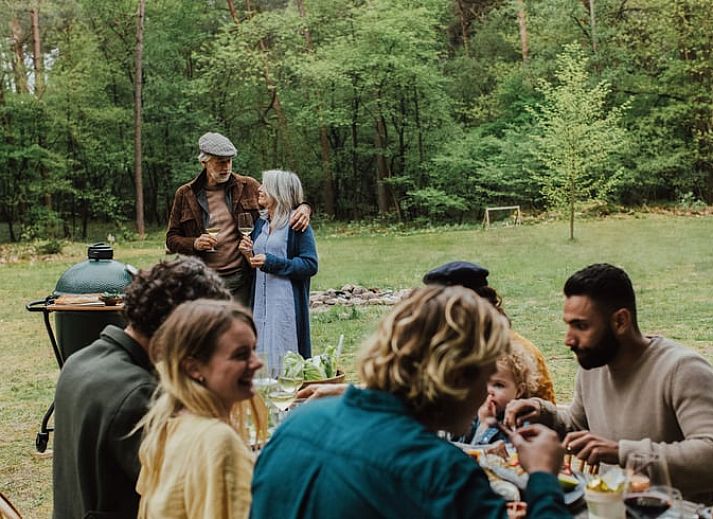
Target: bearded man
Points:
(634, 393)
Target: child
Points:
(515, 377)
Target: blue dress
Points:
(274, 303)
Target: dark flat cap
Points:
(463, 273)
(217, 145)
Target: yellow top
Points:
(206, 472)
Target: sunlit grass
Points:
(670, 260)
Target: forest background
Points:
(415, 110)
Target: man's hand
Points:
(204, 242)
(590, 448)
(316, 391)
(257, 261)
(300, 217)
(517, 412)
(538, 449)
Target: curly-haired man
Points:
(104, 389)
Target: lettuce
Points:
(292, 365)
(314, 369)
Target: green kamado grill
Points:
(78, 323)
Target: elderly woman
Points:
(194, 463)
(285, 261)
(374, 452)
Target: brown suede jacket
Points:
(190, 209)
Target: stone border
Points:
(355, 295)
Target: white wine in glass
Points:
(245, 223)
(213, 229)
(282, 400)
(290, 384)
(263, 381)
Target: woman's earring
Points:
(201, 380)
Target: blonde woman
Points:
(374, 452)
(285, 260)
(194, 463)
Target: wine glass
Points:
(245, 223)
(263, 380)
(286, 392)
(213, 228)
(648, 493)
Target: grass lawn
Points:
(669, 258)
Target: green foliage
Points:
(577, 134)
(385, 99)
(53, 246)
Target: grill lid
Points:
(99, 273)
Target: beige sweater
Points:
(664, 404)
(207, 472)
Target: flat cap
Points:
(217, 145)
(462, 273)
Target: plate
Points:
(572, 497)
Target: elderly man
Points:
(634, 393)
(105, 388)
(217, 197)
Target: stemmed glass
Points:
(245, 223)
(286, 392)
(648, 493)
(263, 380)
(213, 228)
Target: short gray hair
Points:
(286, 189)
(204, 157)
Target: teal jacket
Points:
(364, 455)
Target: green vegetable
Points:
(314, 370)
(292, 365)
(329, 361)
(318, 367)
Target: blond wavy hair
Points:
(430, 348)
(191, 331)
(522, 366)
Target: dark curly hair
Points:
(608, 286)
(155, 293)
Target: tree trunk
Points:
(233, 11)
(592, 25)
(39, 87)
(327, 177)
(463, 25)
(382, 168)
(37, 51)
(138, 78)
(419, 129)
(354, 156)
(18, 61)
(572, 197)
(275, 103)
(522, 23)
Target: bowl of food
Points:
(111, 298)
